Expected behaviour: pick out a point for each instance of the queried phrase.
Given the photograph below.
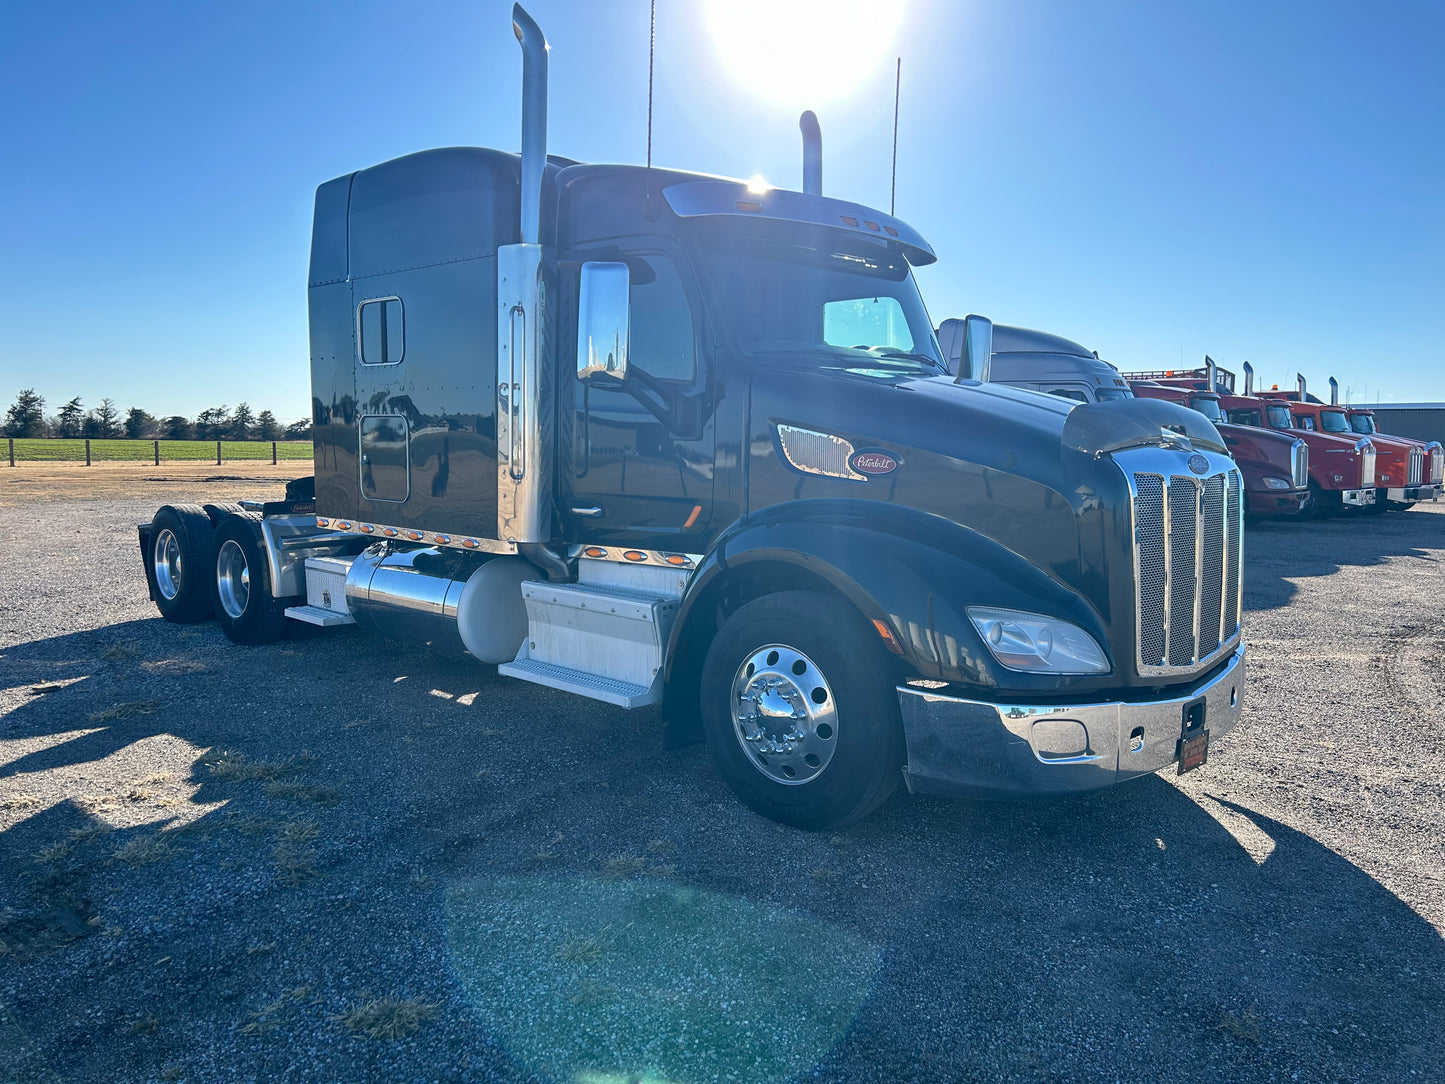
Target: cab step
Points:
(602, 641)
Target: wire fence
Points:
(63, 450)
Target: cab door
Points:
(640, 469)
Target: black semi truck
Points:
(655, 437)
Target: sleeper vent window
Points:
(381, 331)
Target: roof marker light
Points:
(873, 226)
(848, 220)
(749, 205)
(322, 521)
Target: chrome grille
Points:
(1417, 467)
(1437, 461)
(1188, 554)
(1367, 464)
(1299, 464)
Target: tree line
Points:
(27, 418)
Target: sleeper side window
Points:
(381, 331)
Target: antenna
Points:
(893, 186)
(651, 48)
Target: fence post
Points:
(12, 451)
(273, 452)
(87, 451)
(218, 453)
(157, 451)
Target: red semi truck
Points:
(1407, 470)
(1341, 468)
(1275, 465)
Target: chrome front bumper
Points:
(1427, 492)
(1358, 498)
(977, 748)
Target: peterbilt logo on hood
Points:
(1198, 464)
(873, 461)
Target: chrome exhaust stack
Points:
(1300, 383)
(1210, 376)
(812, 153)
(534, 120)
(1248, 379)
(1334, 392)
(525, 407)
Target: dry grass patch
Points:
(20, 801)
(300, 831)
(579, 948)
(231, 767)
(174, 667)
(386, 1017)
(624, 865)
(263, 1019)
(119, 652)
(128, 710)
(145, 850)
(295, 862)
(55, 853)
(293, 790)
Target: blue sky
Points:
(1154, 180)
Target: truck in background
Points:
(656, 437)
(1038, 361)
(1275, 465)
(1408, 470)
(1341, 469)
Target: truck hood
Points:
(1031, 472)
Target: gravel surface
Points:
(339, 859)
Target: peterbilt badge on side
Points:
(873, 461)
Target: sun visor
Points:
(1096, 428)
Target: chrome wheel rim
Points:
(167, 564)
(784, 715)
(233, 579)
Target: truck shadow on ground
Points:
(345, 818)
(1274, 557)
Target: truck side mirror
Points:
(603, 303)
(977, 349)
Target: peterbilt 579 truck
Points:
(654, 437)
(1341, 469)
(1406, 471)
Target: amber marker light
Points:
(321, 522)
(692, 517)
(677, 559)
(367, 528)
(415, 536)
(470, 543)
(595, 551)
(635, 555)
(390, 532)
(342, 525)
(888, 638)
(443, 539)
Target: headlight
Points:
(1276, 483)
(1037, 644)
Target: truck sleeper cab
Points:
(1038, 361)
(659, 438)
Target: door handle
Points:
(593, 511)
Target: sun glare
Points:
(800, 54)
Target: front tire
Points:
(800, 710)
(241, 589)
(181, 557)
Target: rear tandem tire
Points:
(820, 687)
(182, 563)
(241, 584)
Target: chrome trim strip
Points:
(649, 557)
(388, 532)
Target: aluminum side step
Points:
(319, 615)
(601, 641)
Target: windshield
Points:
(1108, 395)
(1207, 405)
(1245, 417)
(789, 288)
(1333, 421)
(1279, 417)
(1362, 423)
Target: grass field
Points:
(55, 451)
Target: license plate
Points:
(1193, 751)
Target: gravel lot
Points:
(337, 859)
